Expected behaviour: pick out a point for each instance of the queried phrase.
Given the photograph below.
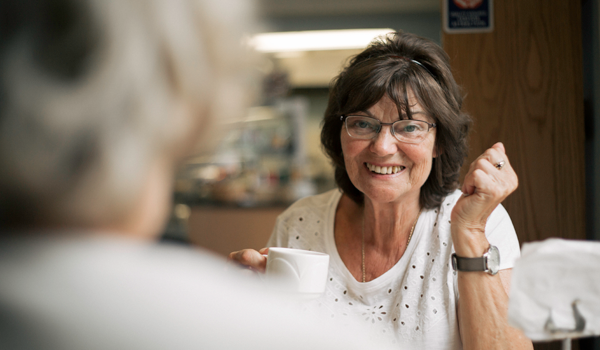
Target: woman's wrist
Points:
(469, 243)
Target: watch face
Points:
(492, 260)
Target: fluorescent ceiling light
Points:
(316, 40)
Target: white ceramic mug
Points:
(297, 272)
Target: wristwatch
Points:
(489, 262)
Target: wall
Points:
(224, 230)
(524, 87)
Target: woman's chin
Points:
(386, 196)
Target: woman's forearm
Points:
(482, 313)
(483, 298)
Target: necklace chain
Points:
(412, 229)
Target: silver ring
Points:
(499, 165)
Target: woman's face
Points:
(411, 163)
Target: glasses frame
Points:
(344, 119)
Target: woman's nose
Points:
(384, 142)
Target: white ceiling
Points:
(314, 68)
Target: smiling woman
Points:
(397, 136)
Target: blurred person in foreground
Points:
(99, 102)
(396, 133)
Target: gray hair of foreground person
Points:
(95, 93)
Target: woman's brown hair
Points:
(393, 65)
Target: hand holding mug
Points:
(251, 259)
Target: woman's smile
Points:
(385, 170)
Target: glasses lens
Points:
(362, 127)
(410, 130)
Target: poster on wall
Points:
(468, 16)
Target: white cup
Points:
(297, 272)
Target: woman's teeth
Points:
(384, 170)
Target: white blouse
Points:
(415, 301)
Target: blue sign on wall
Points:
(468, 16)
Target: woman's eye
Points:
(362, 124)
(410, 128)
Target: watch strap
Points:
(468, 264)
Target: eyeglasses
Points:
(366, 128)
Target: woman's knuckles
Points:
(248, 257)
(479, 177)
(481, 163)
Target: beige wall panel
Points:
(224, 230)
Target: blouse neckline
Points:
(337, 262)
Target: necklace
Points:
(412, 229)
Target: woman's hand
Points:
(250, 258)
(485, 186)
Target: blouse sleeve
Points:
(500, 232)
